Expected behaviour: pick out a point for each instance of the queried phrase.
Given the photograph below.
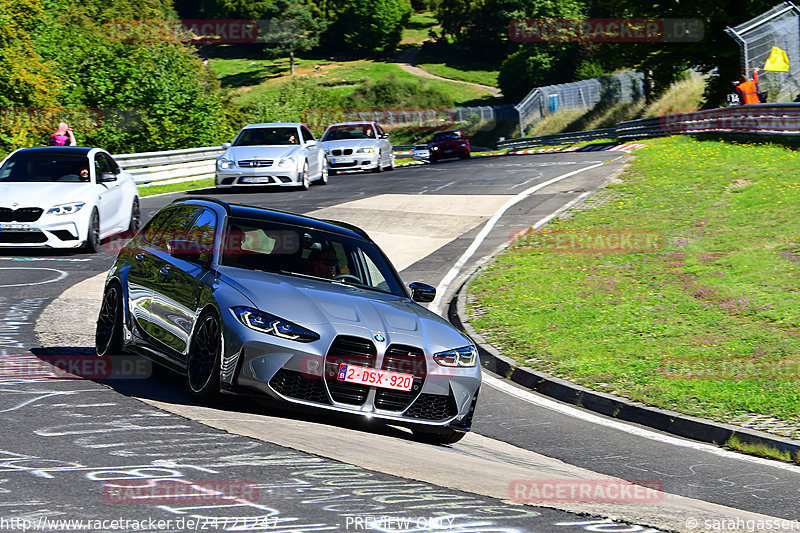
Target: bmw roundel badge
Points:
(379, 337)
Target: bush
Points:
(392, 92)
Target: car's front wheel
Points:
(205, 351)
(305, 179)
(323, 177)
(391, 163)
(440, 436)
(108, 334)
(92, 242)
(379, 166)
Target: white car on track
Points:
(64, 197)
(357, 146)
(278, 153)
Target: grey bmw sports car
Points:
(243, 299)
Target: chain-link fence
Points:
(541, 101)
(780, 26)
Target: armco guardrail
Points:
(152, 168)
(559, 138)
(772, 119)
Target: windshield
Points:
(267, 137)
(27, 167)
(349, 131)
(444, 135)
(285, 249)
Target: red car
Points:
(446, 144)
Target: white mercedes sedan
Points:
(277, 154)
(64, 197)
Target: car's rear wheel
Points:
(441, 436)
(202, 366)
(92, 242)
(305, 182)
(108, 334)
(136, 217)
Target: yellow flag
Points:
(777, 61)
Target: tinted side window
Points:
(109, 163)
(178, 226)
(156, 224)
(203, 230)
(307, 135)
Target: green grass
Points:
(445, 61)
(706, 323)
(177, 187)
(418, 29)
(762, 450)
(249, 80)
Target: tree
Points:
(374, 26)
(293, 27)
(222, 9)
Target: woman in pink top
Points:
(63, 136)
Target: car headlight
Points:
(435, 148)
(466, 356)
(224, 164)
(290, 161)
(365, 151)
(272, 325)
(65, 209)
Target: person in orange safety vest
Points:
(748, 89)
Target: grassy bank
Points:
(676, 287)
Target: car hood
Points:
(310, 302)
(239, 153)
(44, 195)
(350, 143)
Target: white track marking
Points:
(61, 275)
(437, 305)
(564, 409)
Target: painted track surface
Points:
(53, 423)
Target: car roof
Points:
(273, 125)
(274, 215)
(53, 150)
(356, 123)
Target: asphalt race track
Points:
(67, 445)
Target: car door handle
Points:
(164, 272)
(139, 257)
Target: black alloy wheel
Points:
(202, 366)
(108, 334)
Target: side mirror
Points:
(422, 292)
(384, 135)
(312, 142)
(225, 146)
(190, 251)
(107, 176)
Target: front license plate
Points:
(256, 179)
(16, 227)
(338, 160)
(375, 378)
